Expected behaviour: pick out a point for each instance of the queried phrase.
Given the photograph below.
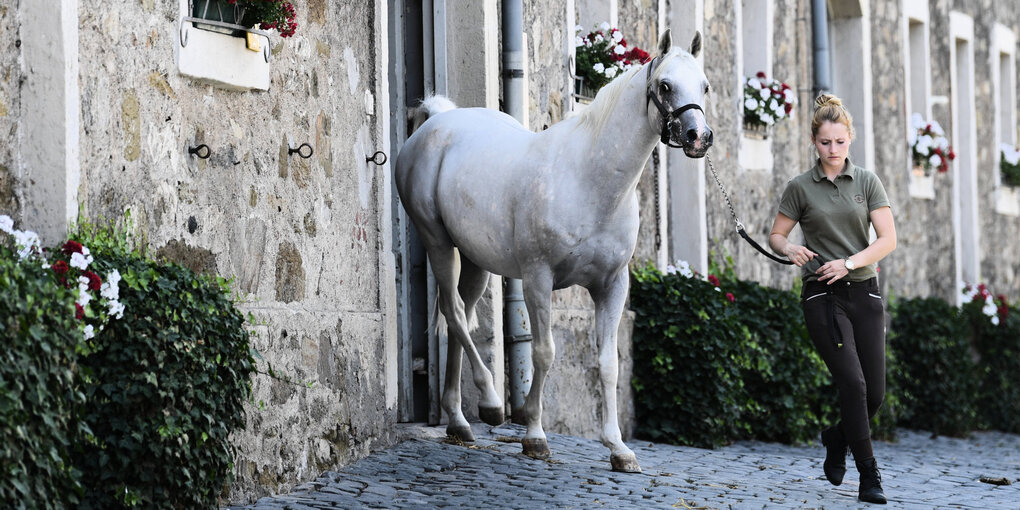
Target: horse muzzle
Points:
(693, 139)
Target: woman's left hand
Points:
(832, 271)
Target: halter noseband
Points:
(667, 115)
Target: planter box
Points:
(222, 53)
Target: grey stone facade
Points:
(308, 242)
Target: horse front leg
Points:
(537, 297)
(609, 304)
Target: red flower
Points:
(60, 267)
(94, 281)
(788, 107)
(785, 86)
(952, 155)
(729, 295)
(760, 74)
(713, 280)
(71, 247)
(79, 312)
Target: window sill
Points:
(1007, 201)
(222, 60)
(922, 186)
(756, 153)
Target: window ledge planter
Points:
(215, 49)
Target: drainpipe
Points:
(518, 327)
(820, 44)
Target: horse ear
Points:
(665, 42)
(696, 43)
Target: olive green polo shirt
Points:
(834, 215)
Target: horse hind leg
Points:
(537, 297)
(473, 282)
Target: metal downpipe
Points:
(518, 327)
(820, 45)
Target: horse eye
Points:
(706, 89)
(664, 87)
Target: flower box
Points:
(756, 130)
(1009, 165)
(766, 102)
(601, 56)
(929, 149)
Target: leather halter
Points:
(668, 116)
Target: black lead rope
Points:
(834, 334)
(740, 226)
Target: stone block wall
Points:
(10, 108)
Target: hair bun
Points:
(827, 100)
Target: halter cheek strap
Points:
(667, 115)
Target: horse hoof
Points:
(536, 448)
(461, 433)
(626, 463)
(492, 415)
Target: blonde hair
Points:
(829, 108)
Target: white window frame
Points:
(916, 12)
(850, 46)
(966, 227)
(755, 54)
(1003, 43)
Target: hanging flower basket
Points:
(1009, 165)
(929, 149)
(237, 17)
(756, 130)
(601, 55)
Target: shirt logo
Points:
(859, 198)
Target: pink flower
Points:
(713, 280)
(729, 295)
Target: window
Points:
(850, 47)
(965, 197)
(917, 71)
(757, 21)
(1003, 63)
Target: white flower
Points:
(773, 105)
(599, 68)
(116, 308)
(780, 113)
(995, 320)
(754, 83)
(764, 93)
(670, 269)
(26, 242)
(936, 128)
(604, 26)
(578, 28)
(751, 103)
(81, 260)
(84, 298)
(617, 36)
(1011, 155)
(109, 289)
(767, 119)
(917, 121)
(619, 49)
(6, 224)
(935, 160)
(611, 71)
(912, 138)
(89, 332)
(599, 38)
(578, 41)
(789, 96)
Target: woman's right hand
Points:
(798, 254)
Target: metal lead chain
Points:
(655, 187)
(740, 226)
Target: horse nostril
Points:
(711, 137)
(692, 135)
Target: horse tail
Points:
(430, 106)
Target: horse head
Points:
(676, 87)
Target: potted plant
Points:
(602, 55)
(929, 148)
(276, 15)
(1009, 165)
(766, 102)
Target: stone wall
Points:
(302, 239)
(10, 108)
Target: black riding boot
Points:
(835, 454)
(871, 482)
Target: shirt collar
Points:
(819, 175)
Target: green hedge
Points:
(140, 414)
(38, 338)
(934, 372)
(710, 370)
(998, 367)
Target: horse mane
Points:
(596, 115)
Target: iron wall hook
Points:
(301, 151)
(202, 151)
(379, 158)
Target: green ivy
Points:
(165, 386)
(39, 336)
(934, 373)
(998, 346)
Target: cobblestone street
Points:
(918, 473)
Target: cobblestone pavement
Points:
(918, 472)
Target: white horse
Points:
(555, 209)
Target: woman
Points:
(834, 203)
